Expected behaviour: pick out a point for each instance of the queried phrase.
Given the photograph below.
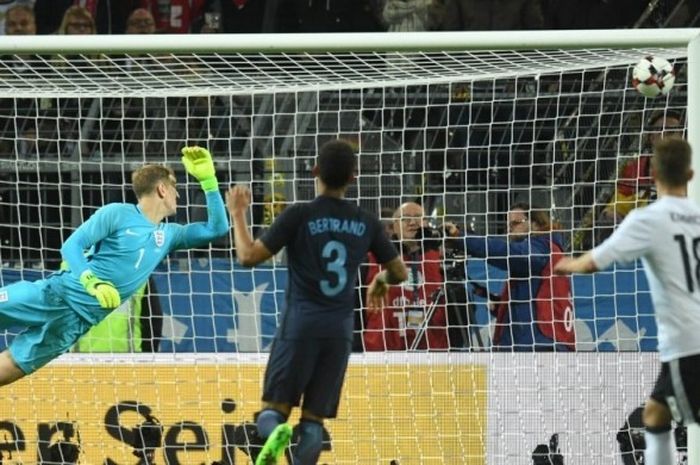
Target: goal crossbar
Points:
(355, 42)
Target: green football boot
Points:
(274, 447)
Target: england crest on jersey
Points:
(159, 237)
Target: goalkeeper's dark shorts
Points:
(312, 369)
(678, 387)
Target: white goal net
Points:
(464, 133)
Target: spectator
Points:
(77, 20)
(635, 186)
(403, 317)
(524, 319)
(110, 15)
(499, 15)
(413, 15)
(6, 6)
(140, 21)
(19, 21)
(19, 115)
(136, 326)
(386, 216)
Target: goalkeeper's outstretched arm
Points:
(198, 163)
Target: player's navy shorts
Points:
(678, 387)
(52, 326)
(310, 368)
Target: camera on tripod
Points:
(429, 238)
(462, 330)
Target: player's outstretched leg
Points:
(275, 445)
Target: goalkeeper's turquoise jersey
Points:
(127, 247)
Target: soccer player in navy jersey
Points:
(326, 240)
(665, 235)
(126, 243)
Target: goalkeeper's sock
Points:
(660, 446)
(310, 443)
(268, 420)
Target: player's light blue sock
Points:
(310, 443)
(268, 419)
(660, 446)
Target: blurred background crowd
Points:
(269, 16)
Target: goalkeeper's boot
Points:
(274, 447)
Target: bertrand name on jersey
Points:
(322, 225)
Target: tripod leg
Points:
(421, 330)
(458, 328)
(473, 327)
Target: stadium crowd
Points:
(268, 16)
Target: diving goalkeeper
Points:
(127, 242)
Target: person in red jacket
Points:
(635, 185)
(408, 304)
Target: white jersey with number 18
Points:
(666, 236)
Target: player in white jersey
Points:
(666, 236)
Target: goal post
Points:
(464, 123)
(694, 191)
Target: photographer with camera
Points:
(535, 310)
(403, 316)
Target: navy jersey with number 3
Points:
(326, 239)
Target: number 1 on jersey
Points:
(680, 238)
(138, 260)
(337, 267)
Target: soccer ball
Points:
(653, 76)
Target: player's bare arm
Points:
(581, 264)
(248, 251)
(394, 272)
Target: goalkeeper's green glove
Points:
(198, 163)
(104, 291)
